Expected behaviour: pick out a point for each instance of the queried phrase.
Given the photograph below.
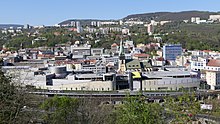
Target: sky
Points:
(51, 12)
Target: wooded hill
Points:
(173, 16)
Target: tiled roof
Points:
(207, 51)
(114, 45)
(214, 62)
(66, 62)
(91, 60)
(46, 55)
(141, 55)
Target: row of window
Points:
(217, 69)
(133, 65)
(93, 89)
(160, 88)
(198, 64)
(156, 83)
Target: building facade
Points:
(171, 51)
(213, 74)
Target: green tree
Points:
(62, 110)
(183, 108)
(11, 100)
(66, 110)
(136, 111)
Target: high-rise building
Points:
(72, 24)
(150, 29)
(27, 26)
(120, 22)
(93, 23)
(78, 27)
(121, 61)
(195, 19)
(171, 51)
(98, 24)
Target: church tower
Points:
(121, 61)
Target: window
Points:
(195, 64)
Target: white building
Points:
(198, 63)
(125, 31)
(164, 22)
(4, 31)
(39, 39)
(72, 23)
(181, 60)
(169, 80)
(134, 23)
(154, 23)
(109, 23)
(121, 22)
(199, 53)
(45, 80)
(175, 79)
(213, 74)
(214, 17)
(195, 19)
(201, 21)
(78, 27)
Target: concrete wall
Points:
(169, 83)
(62, 84)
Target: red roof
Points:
(46, 55)
(141, 55)
(66, 62)
(214, 62)
(187, 64)
(56, 33)
(91, 60)
(114, 45)
(206, 51)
